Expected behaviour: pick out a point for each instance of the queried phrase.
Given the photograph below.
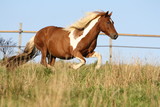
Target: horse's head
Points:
(107, 25)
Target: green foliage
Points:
(112, 86)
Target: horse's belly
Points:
(64, 56)
(61, 54)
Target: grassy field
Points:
(116, 85)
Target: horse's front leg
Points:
(99, 57)
(80, 57)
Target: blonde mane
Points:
(83, 22)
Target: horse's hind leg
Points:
(45, 54)
(40, 45)
(43, 57)
(51, 59)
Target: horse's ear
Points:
(110, 14)
(106, 13)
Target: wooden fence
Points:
(20, 31)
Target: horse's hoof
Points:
(51, 67)
(97, 67)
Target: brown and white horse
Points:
(76, 41)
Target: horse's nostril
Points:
(115, 36)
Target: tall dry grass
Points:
(114, 85)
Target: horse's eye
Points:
(108, 22)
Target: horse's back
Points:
(48, 30)
(44, 34)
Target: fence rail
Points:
(102, 46)
(20, 31)
(120, 34)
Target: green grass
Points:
(116, 85)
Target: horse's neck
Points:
(89, 34)
(91, 31)
(91, 26)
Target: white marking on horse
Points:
(111, 20)
(82, 62)
(74, 41)
(99, 57)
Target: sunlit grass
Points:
(116, 85)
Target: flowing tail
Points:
(29, 53)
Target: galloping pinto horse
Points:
(76, 41)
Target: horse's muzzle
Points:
(114, 36)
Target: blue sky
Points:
(130, 16)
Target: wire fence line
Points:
(20, 32)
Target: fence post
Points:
(20, 38)
(110, 50)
